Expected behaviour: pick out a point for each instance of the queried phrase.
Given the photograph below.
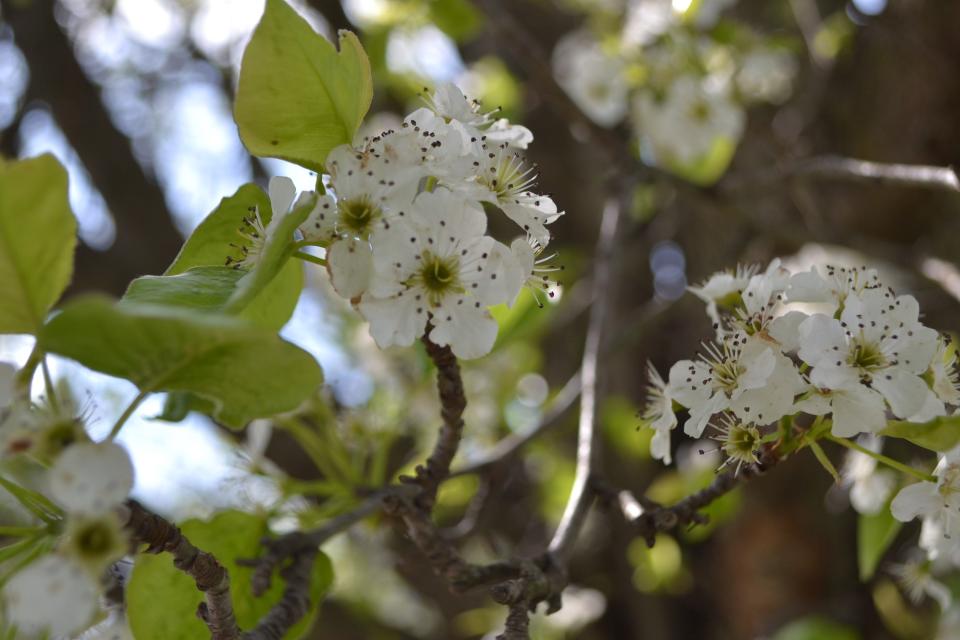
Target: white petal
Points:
(321, 223)
(469, 330)
(932, 408)
(53, 595)
(905, 391)
(830, 375)
(394, 321)
(915, 347)
(816, 404)
(660, 445)
(918, 499)
(809, 286)
(869, 495)
(759, 362)
(774, 399)
(351, 263)
(857, 410)
(701, 414)
(690, 383)
(91, 479)
(786, 329)
(282, 191)
(819, 334)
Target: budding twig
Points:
(211, 577)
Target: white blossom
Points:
(767, 74)
(91, 479)
(53, 595)
(593, 78)
(918, 581)
(658, 414)
(255, 233)
(832, 286)
(724, 290)
(741, 374)
(870, 488)
(938, 504)
(696, 113)
(466, 117)
(434, 266)
(878, 345)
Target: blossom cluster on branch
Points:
(405, 231)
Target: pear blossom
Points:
(68, 595)
(767, 74)
(647, 20)
(659, 415)
(466, 117)
(433, 267)
(739, 440)
(720, 378)
(918, 581)
(938, 504)
(943, 374)
(695, 113)
(832, 286)
(91, 479)
(870, 488)
(724, 289)
(878, 344)
(591, 77)
(524, 266)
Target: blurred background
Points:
(135, 98)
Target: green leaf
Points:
(202, 288)
(940, 434)
(824, 461)
(247, 372)
(162, 601)
(209, 246)
(875, 534)
(38, 234)
(816, 628)
(298, 97)
(459, 19)
(34, 502)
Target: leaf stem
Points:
(126, 414)
(25, 375)
(310, 258)
(879, 457)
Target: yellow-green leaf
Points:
(162, 600)
(38, 234)
(940, 434)
(245, 371)
(298, 97)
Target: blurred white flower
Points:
(54, 595)
(593, 79)
(91, 479)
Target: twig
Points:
(293, 604)
(452, 403)
(651, 518)
(580, 496)
(913, 175)
(505, 448)
(854, 170)
(210, 576)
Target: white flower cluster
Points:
(938, 505)
(57, 594)
(855, 352)
(685, 91)
(404, 224)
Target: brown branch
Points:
(452, 403)
(293, 604)
(651, 518)
(211, 577)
